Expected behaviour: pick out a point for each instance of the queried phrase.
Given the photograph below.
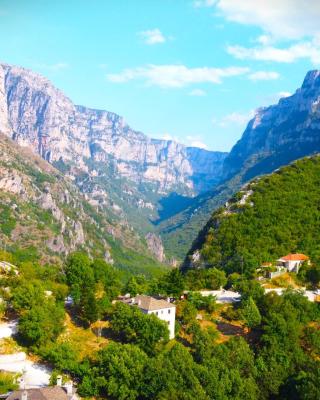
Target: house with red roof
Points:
(292, 262)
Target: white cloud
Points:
(274, 98)
(195, 141)
(176, 76)
(168, 136)
(198, 143)
(285, 19)
(190, 140)
(281, 95)
(302, 50)
(234, 118)
(263, 76)
(198, 93)
(264, 39)
(152, 36)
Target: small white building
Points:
(292, 262)
(222, 296)
(161, 308)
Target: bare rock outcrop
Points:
(155, 246)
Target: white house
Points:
(292, 262)
(161, 308)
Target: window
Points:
(169, 311)
(156, 312)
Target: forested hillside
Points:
(276, 136)
(268, 218)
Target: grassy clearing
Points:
(82, 340)
(9, 346)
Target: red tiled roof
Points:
(295, 257)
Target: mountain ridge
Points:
(115, 166)
(275, 136)
(269, 217)
(38, 114)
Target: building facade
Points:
(163, 309)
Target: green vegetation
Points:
(7, 382)
(281, 216)
(265, 347)
(132, 326)
(7, 221)
(133, 359)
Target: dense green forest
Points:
(275, 357)
(278, 214)
(114, 351)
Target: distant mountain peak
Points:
(311, 79)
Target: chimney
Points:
(24, 395)
(59, 380)
(69, 388)
(22, 383)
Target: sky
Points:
(188, 70)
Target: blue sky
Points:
(192, 70)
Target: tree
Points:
(186, 312)
(250, 313)
(88, 305)
(27, 295)
(108, 276)
(79, 274)
(172, 284)
(250, 288)
(230, 372)
(173, 375)
(41, 324)
(215, 278)
(120, 371)
(81, 279)
(202, 342)
(313, 275)
(133, 326)
(63, 356)
(136, 285)
(207, 303)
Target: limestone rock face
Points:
(155, 246)
(36, 114)
(280, 133)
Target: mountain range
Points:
(116, 167)
(159, 192)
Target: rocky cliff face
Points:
(42, 210)
(280, 133)
(35, 114)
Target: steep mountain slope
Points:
(111, 162)
(42, 211)
(270, 217)
(116, 167)
(280, 133)
(276, 136)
